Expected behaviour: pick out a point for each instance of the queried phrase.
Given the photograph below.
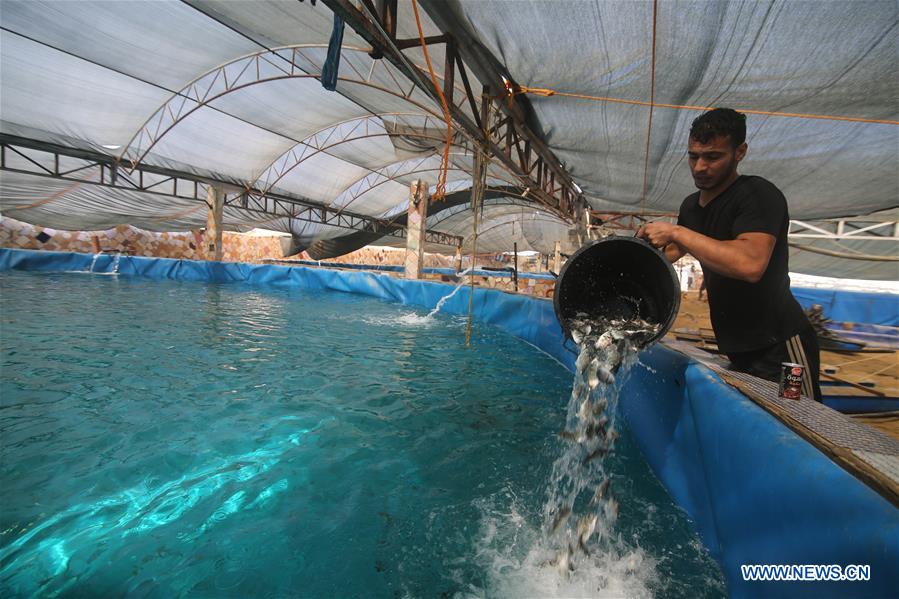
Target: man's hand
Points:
(659, 234)
(744, 258)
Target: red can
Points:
(790, 380)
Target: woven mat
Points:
(865, 452)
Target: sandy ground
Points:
(882, 369)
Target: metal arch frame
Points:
(214, 84)
(291, 159)
(862, 228)
(384, 175)
(512, 222)
(513, 191)
(533, 162)
(444, 215)
(843, 229)
(104, 170)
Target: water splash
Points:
(446, 298)
(417, 320)
(115, 263)
(576, 551)
(93, 263)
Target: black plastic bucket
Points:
(618, 278)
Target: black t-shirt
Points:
(748, 316)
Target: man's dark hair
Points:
(719, 122)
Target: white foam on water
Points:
(409, 319)
(574, 550)
(413, 319)
(518, 561)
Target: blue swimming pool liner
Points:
(852, 306)
(756, 492)
(427, 270)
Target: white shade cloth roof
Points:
(93, 74)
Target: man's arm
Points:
(673, 252)
(745, 258)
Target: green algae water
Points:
(167, 439)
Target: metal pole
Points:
(515, 267)
(479, 181)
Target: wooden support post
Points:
(215, 200)
(557, 258)
(515, 266)
(415, 228)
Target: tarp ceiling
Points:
(92, 74)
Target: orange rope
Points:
(440, 191)
(652, 97)
(542, 91)
(47, 200)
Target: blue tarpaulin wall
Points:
(757, 493)
(852, 306)
(507, 273)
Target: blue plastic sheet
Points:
(756, 492)
(852, 306)
(428, 270)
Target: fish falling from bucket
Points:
(579, 476)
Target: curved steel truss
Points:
(446, 214)
(422, 128)
(289, 62)
(393, 172)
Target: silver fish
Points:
(595, 429)
(611, 357)
(582, 361)
(569, 436)
(600, 491)
(611, 510)
(563, 561)
(560, 519)
(584, 410)
(600, 406)
(585, 527)
(604, 340)
(599, 452)
(605, 375)
(577, 336)
(579, 389)
(592, 376)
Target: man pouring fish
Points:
(736, 227)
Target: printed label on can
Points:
(790, 380)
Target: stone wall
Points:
(537, 287)
(387, 256)
(238, 247)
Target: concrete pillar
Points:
(459, 258)
(557, 258)
(215, 199)
(415, 228)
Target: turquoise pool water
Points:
(166, 439)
